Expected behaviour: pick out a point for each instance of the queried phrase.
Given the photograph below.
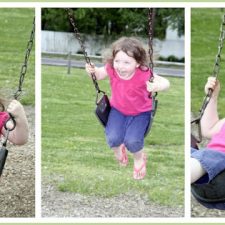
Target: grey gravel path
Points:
(200, 211)
(17, 184)
(65, 204)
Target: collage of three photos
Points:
(112, 112)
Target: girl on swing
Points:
(131, 106)
(19, 135)
(211, 160)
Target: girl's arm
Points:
(100, 72)
(19, 135)
(159, 84)
(210, 122)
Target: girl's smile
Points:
(124, 65)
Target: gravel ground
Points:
(133, 205)
(65, 204)
(17, 185)
(200, 211)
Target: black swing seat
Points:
(102, 109)
(212, 194)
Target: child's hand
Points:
(159, 84)
(15, 108)
(152, 86)
(213, 84)
(20, 134)
(90, 68)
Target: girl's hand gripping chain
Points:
(157, 84)
(19, 135)
(15, 129)
(214, 85)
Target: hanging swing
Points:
(103, 107)
(3, 149)
(212, 194)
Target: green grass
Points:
(74, 151)
(205, 31)
(15, 26)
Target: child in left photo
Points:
(17, 112)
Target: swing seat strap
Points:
(3, 156)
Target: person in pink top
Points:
(19, 135)
(211, 160)
(131, 106)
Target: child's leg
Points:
(117, 152)
(121, 154)
(197, 170)
(114, 131)
(134, 141)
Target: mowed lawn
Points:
(15, 26)
(76, 158)
(205, 32)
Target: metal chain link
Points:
(215, 74)
(25, 64)
(151, 15)
(78, 37)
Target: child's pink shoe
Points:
(140, 173)
(123, 160)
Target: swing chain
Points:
(151, 15)
(25, 63)
(215, 74)
(78, 37)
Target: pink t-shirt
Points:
(218, 141)
(130, 97)
(3, 117)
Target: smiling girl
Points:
(131, 106)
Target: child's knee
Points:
(134, 145)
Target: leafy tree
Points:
(114, 21)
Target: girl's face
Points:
(124, 65)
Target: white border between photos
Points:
(187, 108)
(38, 5)
(38, 113)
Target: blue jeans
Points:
(212, 161)
(129, 130)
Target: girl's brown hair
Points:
(132, 47)
(2, 104)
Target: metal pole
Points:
(69, 63)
